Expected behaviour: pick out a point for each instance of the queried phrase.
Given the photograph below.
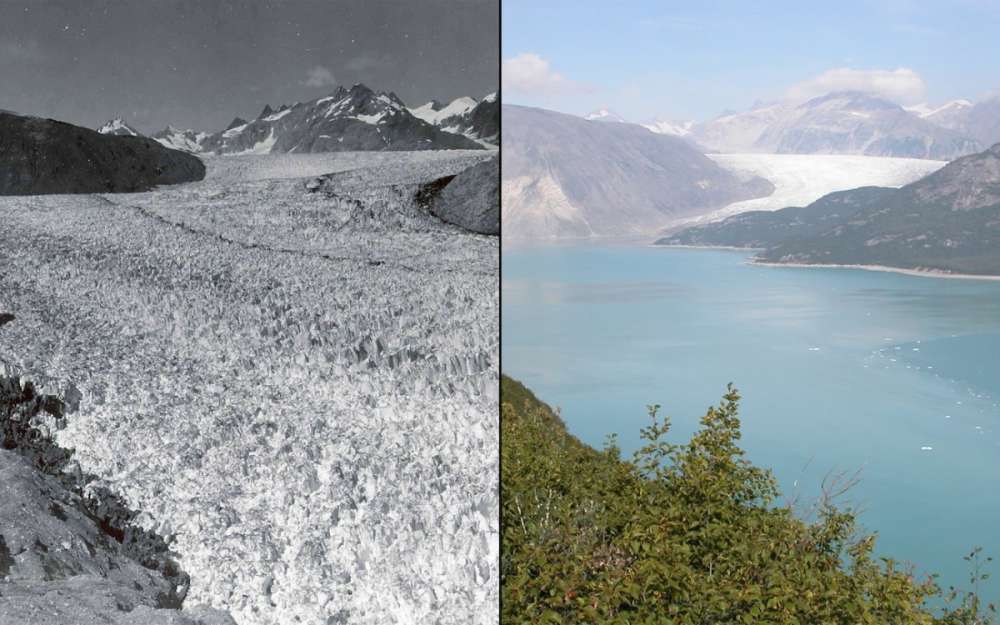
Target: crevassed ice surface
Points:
(300, 386)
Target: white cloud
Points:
(530, 74)
(320, 76)
(901, 85)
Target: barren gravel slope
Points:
(300, 386)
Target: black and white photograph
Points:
(249, 312)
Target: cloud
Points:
(530, 74)
(901, 85)
(320, 76)
(26, 51)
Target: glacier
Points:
(289, 368)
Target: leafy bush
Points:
(681, 534)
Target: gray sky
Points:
(199, 63)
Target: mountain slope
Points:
(564, 176)
(47, 156)
(348, 119)
(947, 221)
(848, 122)
(981, 120)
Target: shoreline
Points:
(732, 248)
(917, 272)
(920, 273)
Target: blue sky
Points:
(693, 60)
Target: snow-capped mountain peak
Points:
(924, 110)
(117, 126)
(604, 115)
(434, 112)
(176, 139)
(346, 119)
(476, 120)
(667, 127)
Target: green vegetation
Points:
(683, 533)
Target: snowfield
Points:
(301, 387)
(800, 179)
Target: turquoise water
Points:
(840, 370)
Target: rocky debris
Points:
(40, 156)
(470, 200)
(69, 548)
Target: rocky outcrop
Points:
(470, 200)
(39, 156)
(69, 549)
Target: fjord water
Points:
(839, 369)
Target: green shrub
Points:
(686, 534)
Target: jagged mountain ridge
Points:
(947, 221)
(346, 120)
(477, 120)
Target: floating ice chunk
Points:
(926, 448)
(814, 349)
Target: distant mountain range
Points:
(847, 122)
(345, 120)
(947, 221)
(564, 176)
